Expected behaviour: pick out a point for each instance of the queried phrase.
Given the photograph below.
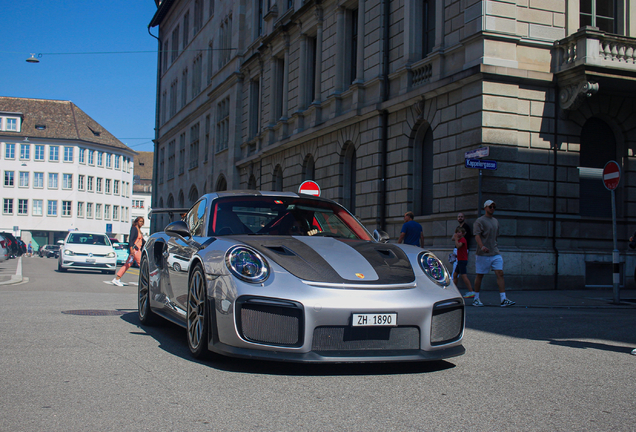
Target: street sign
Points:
(611, 175)
(481, 164)
(477, 153)
(309, 187)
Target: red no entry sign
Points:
(310, 188)
(611, 175)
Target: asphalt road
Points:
(73, 357)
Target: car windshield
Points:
(283, 216)
(88, 239)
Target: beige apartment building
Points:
(379, 100)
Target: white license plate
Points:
(375, 319)
(90, 260)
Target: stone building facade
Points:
(379, 100)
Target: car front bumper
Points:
(87, 263)
(290, 320)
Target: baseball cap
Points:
(489, 202)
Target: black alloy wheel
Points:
(146, 316)
(197, 316)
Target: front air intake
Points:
(447, 324)
(270, 321)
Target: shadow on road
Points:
(591, 345)
(172, 339)
(569, 328)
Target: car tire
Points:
(60, 268)
(176, 267)
(198, 314)
(146, 315)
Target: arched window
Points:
(170, 201)
(309, 168)
(598, 146)
(181, 199)
(194, 195)
(349, 178)
(277, 180)
(423, 171)
(221, 184)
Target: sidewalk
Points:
(584, 298)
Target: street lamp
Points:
(32, 59)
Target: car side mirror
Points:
(60, 242)
(178, 228)
(381, 236)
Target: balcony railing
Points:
(591, 47)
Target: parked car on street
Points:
(14, 248)
(52, 251)
(87, 251)
(285, 276)
(4, 251)
(42, 251)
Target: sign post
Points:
(473, 161)
(611, 179)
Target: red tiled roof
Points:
(61, 120)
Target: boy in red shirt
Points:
(462, 258)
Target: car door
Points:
(182, 250)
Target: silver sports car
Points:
(283, 276)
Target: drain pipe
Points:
(384, 117)
(155, 167)
(554, 188)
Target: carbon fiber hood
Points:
(332, 260)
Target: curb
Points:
(15, 279)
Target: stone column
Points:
(340, 49)
(318, 71)
(284, 113)
(302, 77)
(360, 47)
(272, 88)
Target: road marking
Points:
(110, 282)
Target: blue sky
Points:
(117, 90)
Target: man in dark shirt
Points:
(411, 231)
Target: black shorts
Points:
(461, 267)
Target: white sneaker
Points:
(117, 282)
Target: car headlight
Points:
(68, 252)
(111, 255)
(434, 269)
(246, 264)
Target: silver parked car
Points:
(282, 276)
(87, 251)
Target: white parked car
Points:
(87, 251)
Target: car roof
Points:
(256, 193)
